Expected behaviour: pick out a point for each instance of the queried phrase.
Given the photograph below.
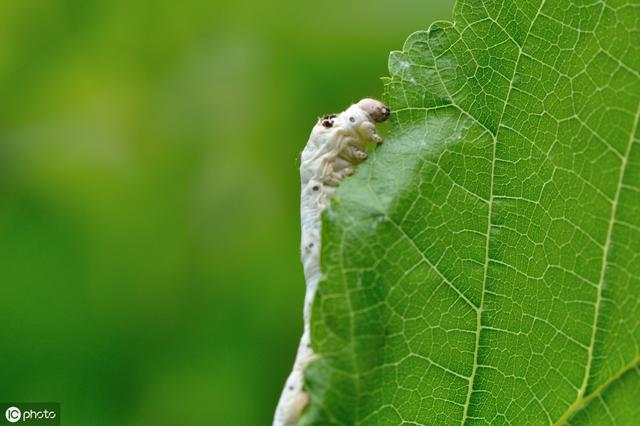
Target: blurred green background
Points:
(149, 223)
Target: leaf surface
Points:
(483, 267)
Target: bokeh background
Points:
(149, 269)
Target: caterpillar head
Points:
(376, 110)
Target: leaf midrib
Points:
(581, 399)
(494, 137)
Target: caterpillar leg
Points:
(353, 154)
(368, 129)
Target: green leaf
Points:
(483, 267)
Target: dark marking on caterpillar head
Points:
(315, 187)
(327, 120)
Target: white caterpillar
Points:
(338, 143)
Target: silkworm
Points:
(337, 144)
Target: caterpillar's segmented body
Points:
(337, 144)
